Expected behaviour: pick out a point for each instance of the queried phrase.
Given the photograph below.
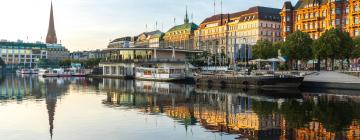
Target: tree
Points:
(264, 49)
(356, 50)
(336, 44)
(297, 47)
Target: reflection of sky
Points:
(81, 111)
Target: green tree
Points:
(297, 47)
(336, 44)
(264, 49)
(356, 50)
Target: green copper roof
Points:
(191, 26)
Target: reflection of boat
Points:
(161, 74)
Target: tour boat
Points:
(52, 73)
(79, 73)
(161, 74)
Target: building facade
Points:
(151, 39)
(316, 16)
(22, 55)
(123, 42)
(181, 36)
(219, 34)
(57, 52)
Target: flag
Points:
(236, 52)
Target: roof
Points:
(288, 5)
(305, 3)
(263, 13)
(128, 38)
(192, 26)
(21, 44)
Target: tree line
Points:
(334, 44)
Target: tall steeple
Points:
(51, 35)
(186, 20)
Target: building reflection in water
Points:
(248, 115)
(25, 87)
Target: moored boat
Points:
(160, 74)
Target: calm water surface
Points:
(34, 108)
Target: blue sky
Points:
(90, 24)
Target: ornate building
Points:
(219, 34)
(181, 36)
(55, 51)
(316, 16)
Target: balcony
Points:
(310, 19)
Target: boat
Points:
(52, 73)
(79, 72)
(160, 74)
(27, 71)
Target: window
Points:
(287, 18)
(288, 28)
(356, 32)
(324, 13)
(356, 20)
(347, 21)
(332, 11)
(347, 10)
(356, 8)
(338, 11)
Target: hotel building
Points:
(181, 36)
(219, 34)
(19, 54)
(316, 16)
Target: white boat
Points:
(52, 73)
(79, 73)
(161, 74)
(27, 71)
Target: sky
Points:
(91, 24)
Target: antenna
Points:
(214, 6)
(156, 24)
(221, 3)
(146, 27)
(192, 17)
(174, 21)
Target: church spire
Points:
(186, 20)
(51, 35)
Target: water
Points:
(35, 108)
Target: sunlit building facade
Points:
(316, 16)
(219, 34)
(181, 36)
